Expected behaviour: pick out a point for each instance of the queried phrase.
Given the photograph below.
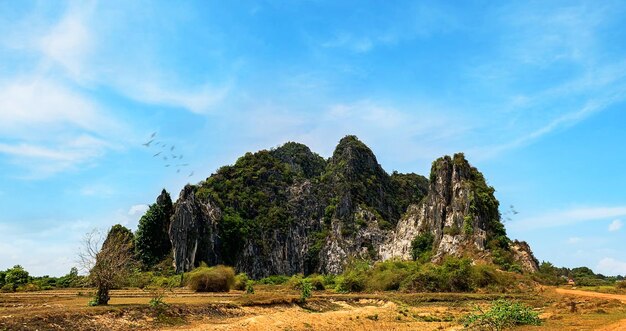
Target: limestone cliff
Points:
(288, 210)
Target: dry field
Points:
(277, 308)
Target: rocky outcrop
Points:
(446, 213)
(288, 211)
(194, 231)
(524, 256)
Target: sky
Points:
(533, 92)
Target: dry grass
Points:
(211, 279)
(278, 307)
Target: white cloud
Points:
(568, 217)
(29, 104)
(574, 240)
(137, 210)
(69, 42)
(611, 267)
(198, 100)
(615, 225)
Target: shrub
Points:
(387, 276)
(422, 245)
(30, 287)
(502, 314)
(249, 287)
(351, 282)
(317, 281)
(8, 288)
(306, 289)
(241, 280)
(274, 280)
(621, 284)
(295, 281)
(215, 279)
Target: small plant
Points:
(502, 314)
(305, 290)
(372, 317)
(621, 284)
(249, 287)
(93, 302)
(157, 302)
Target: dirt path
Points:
(371, 316)
(620, 297)
(617, 326)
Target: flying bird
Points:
(165, 158)
(191, 174)
(171, 149)
(177, 171)
(157, 154)
(167, 165)
(180, 157)
(148, 143)
(153, 134)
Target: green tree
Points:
(152, 241)
(422, 245)
(16, 276)
(2, 275)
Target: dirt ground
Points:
(276, 308)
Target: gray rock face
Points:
(445, 213)
(193, 231)
(350, 211)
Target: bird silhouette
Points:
(167, 165)
(165, 158)
(191, 174)
(180, 157)
(153, 134)
(171, 149)
(148, 143)
(173, 156)
(177, 171)
(157, 154)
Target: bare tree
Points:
(108, 261)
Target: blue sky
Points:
(533, 93)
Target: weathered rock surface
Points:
(329, 212)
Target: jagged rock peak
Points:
(352, 156)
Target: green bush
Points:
(422, 246)
(250, 287)
(621, 284)
(274, 280)
(388, 275)
(317, 281)
(502, 314)
(295, 281)
(241, 280)
(8, 288)
(305, 290)
(214, 279)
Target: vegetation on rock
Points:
(152, 242)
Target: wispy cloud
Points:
(137, 210)
(610, 266)
(568, 217)
(615, 225)
(199, 100)
(574, 240)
